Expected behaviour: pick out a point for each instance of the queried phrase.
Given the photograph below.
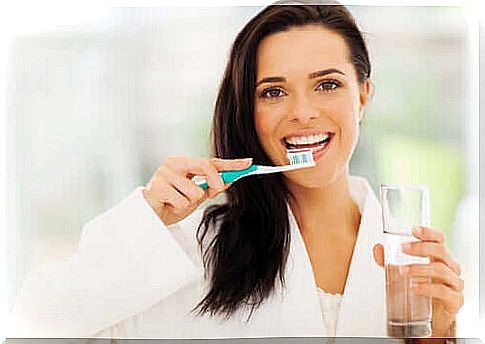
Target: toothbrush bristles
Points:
(300, 156)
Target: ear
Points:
(365, 96)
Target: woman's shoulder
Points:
(362, 192)
(359, 182)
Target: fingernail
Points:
(405, 246)
(416, 230)
(245, 160)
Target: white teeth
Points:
(305, 140)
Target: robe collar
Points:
(363, 309)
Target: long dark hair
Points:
(245, 242)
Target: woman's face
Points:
(308, 95)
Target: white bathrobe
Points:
(132, 277)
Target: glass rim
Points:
(420, 187)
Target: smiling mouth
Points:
(313, 143)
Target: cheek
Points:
(347, 108)
(265, 126)
(351, 131)
(352, 137)
(347, 118)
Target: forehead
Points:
(307, 48)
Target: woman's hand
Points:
(172, 193)
(446, 286)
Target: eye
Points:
(272, 93)
(329, 85)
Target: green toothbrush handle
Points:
(228, 176)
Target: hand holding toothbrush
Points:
(173, 195)
(181, 184)
(298, 158)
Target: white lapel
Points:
(363, 307)
(293, 311)
(302, 291)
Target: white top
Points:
(133, 277)
(330, 305)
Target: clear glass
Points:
(403, 207)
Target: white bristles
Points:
(300, 156)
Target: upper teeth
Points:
(302, 140)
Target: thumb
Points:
(378, 251)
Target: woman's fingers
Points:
(438, 271)
(452, 300)
(188, 167)
(208, 168)
(439, 279)
(214, 180)
(425, 233)
(378, 251)
(433, 250)
(437, 249)
(167, 195)
(184, 186)
(430, 234)
(173, 194)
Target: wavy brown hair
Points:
(245, 242)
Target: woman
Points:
(285, 255)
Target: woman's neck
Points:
(328, 210)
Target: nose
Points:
(301, 109)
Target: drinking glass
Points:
(403, 207)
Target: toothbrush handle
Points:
(227, 176)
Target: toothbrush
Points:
(299, 158)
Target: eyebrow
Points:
(310, 76)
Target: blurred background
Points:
(94, 108)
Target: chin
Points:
(308, 180)
(312, 178)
